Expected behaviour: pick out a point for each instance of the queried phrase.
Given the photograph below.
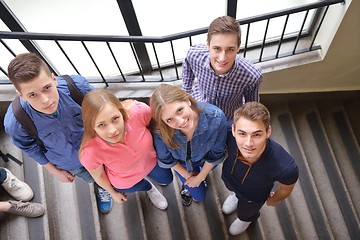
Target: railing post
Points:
(231, 8)
(133, 27)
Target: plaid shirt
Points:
(227, 91)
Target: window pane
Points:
(5, 55)
(169, 17)
(248, 8)
(69, 16)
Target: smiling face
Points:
(41, 93)
(109, 124)
(179, 115)
(223, 48)
(251, 138)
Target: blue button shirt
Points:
(60, 133)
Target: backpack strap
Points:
(75, 93)
(24, 119)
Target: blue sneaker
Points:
(104, 200)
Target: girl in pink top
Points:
(117, 147)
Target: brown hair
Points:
(165, 94)
(253, 111)
(94, 101)
(25, 67)
(224, 24)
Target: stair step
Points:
(324, 204)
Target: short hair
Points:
(25, 67)
(253, 111)
(165, 94)
(94, 101)
(224, 24)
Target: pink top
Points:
(129, 162)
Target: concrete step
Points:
(324, 204)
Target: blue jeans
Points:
(198, 193)
(3, 175)
(82, 173)
(163, 176)
(86, 176)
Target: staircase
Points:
(320, 130)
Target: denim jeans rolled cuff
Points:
(197, 193)
(248, 211)
(3, 175)
(82, 173)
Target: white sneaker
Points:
(238, 227)
(17, 188)
(156, 198)
(230, 204)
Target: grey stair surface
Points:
(320, 130)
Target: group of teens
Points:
(214, 120)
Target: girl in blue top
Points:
(190, 137)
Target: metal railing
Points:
(138, 75)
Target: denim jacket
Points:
(207, 144)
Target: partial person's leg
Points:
(83, 174)
(103, 198)
(247, 212)
(4, 206)
(15, 187)
(197, 193)
(3, 175)
(163, 176)
(143, 185)
(156, 198)
(26, 209)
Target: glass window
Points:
(246, 8)
(68, 16)
(169, 17)
(155, 17)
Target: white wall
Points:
(338, 71)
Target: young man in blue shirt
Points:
(57, 118)
(260, 162)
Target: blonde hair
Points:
(94, 101)
(165, 94)
(253, 111)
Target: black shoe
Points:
(185, 196)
